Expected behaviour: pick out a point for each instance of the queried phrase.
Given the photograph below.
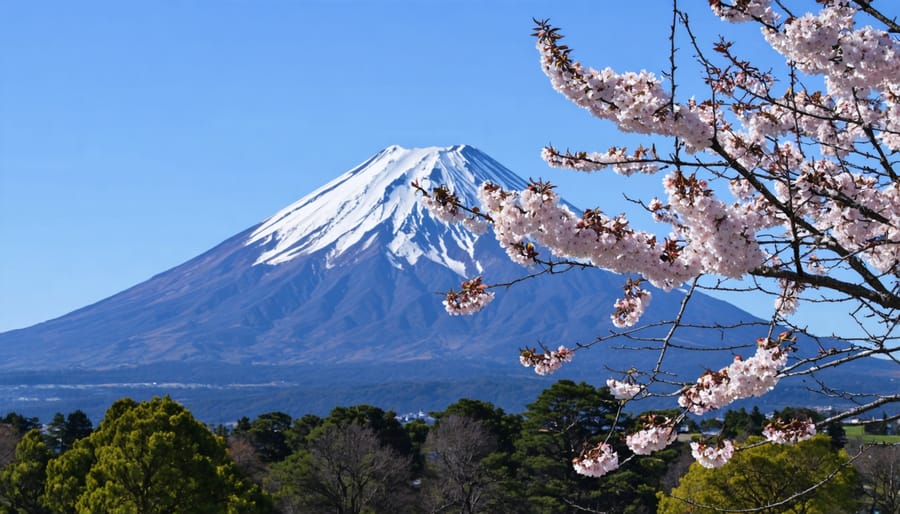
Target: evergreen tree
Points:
(268, 434)
(565, 418)
(22, 481)
(21, 423)
(146, 458)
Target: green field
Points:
(856, 432)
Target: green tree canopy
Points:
(383, 423)
(770, 475)
(504, 427)
(63, 431)
(22, 481)
(268, 434)
(145, 458)
(566, 417)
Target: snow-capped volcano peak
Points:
(375, 201)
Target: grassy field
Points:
(857, 432)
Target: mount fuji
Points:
(335, 299)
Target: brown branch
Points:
(862, 408)
(883, 297)
(854, 263)
(866, 6)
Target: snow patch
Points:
(376, 198)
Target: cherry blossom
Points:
(471, 299)
(791, 432)
(623, 390)
(658, 433)
(712, 456)
(596, 461)
(743, 378)
(548, 362)
(786, 180)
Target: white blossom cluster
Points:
(547, 362)
(851, 222)
(537, 215)
(445, 206)
(743, 10)
(617, 157)
(471, 299)
(742, 379)
(787, 302)
(651, 439)
(827, 43)
(810, 174)
(623, 390)
(597, 461)
(789, 433)
(629, 309)
(635, 102)
(712, 456)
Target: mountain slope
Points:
(349, 277)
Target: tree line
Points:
(155, 457)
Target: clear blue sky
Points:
(135, 135)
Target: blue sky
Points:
(136, 135)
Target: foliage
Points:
(63, 431)
(770, 475)
(145, 458)
(268, 433)
(383, 423)
(21, 423)
(22, 481)
(503, 427)
(740, 423)
(566, 418)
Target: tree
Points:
(383, 423)
(780, 179)
(301, 428)
(566, 419)
(879, 473)
(268, 433)
(53, 432)
(740, 423)
(770, 475)
(78, 426)
(21, 423)
(503, 427)
(22, 481)
(493, 474)
(149, 457)
(9, 438)
(346, 469)
(460, 480)
(63, 431)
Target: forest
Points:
(154, 457)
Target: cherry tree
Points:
(771, 183)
